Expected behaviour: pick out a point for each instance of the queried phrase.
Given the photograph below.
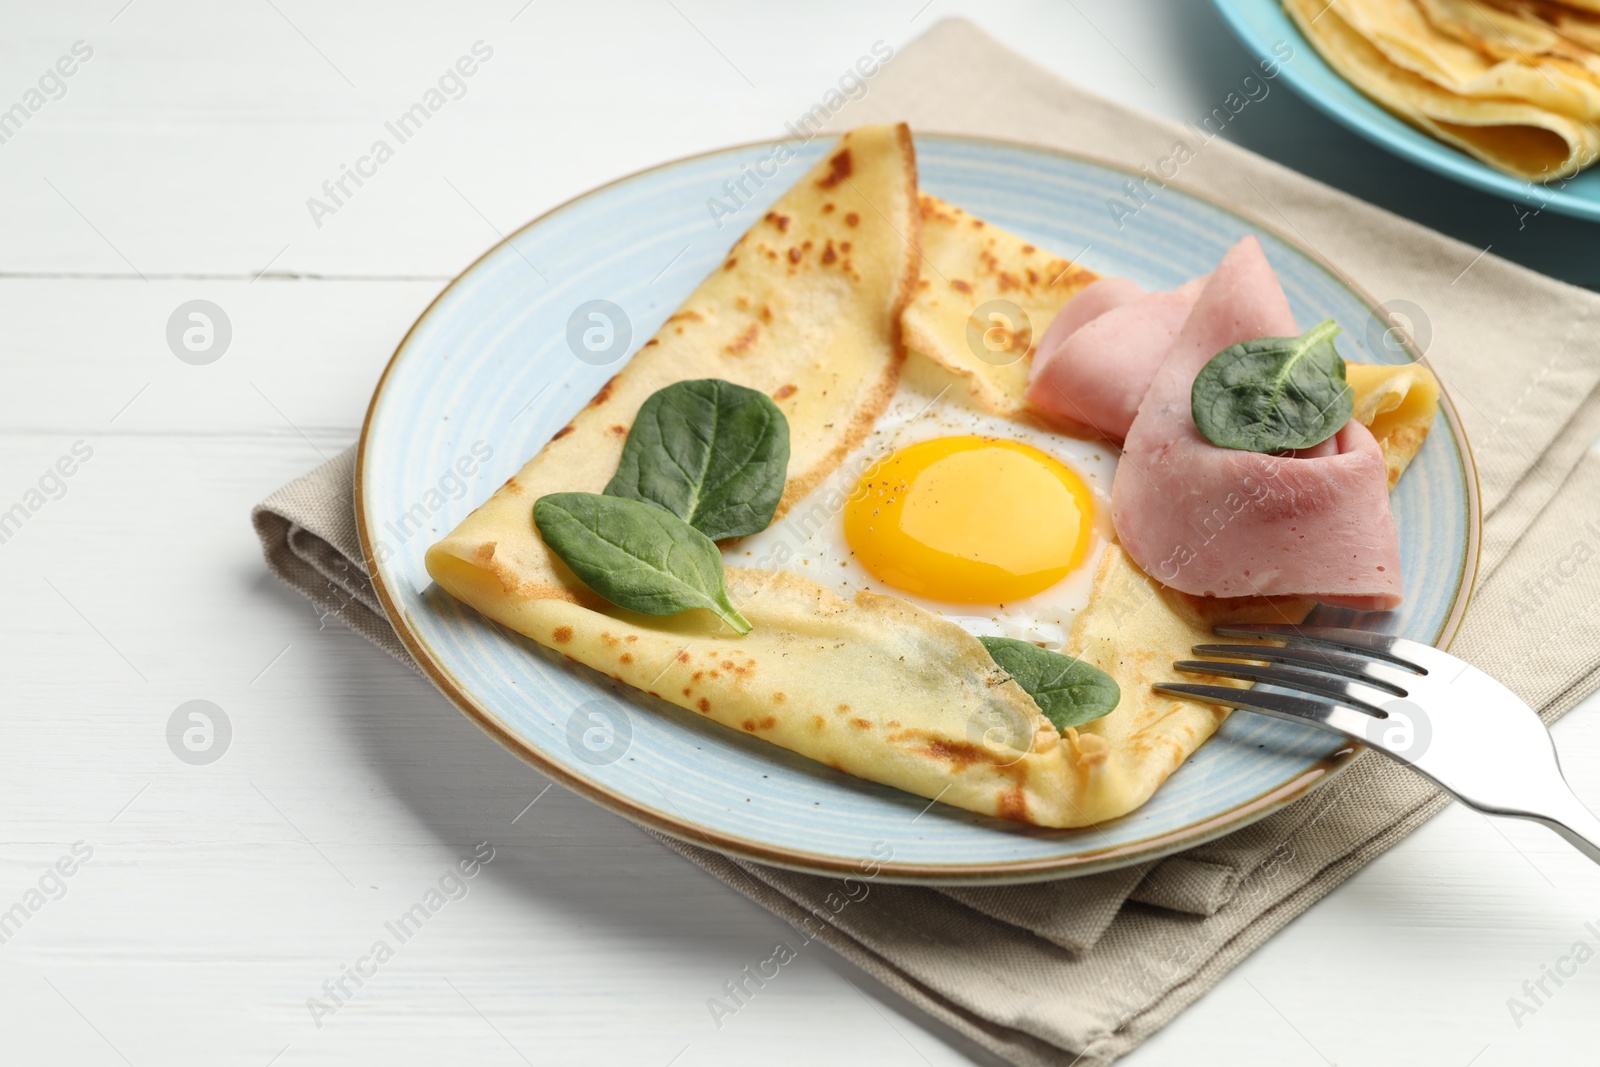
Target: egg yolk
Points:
(970, 520)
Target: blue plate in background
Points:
(1260, 24)
(486, 376)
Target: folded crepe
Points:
(1439, 41)
(1527, 31)
(1398, 404)
(1536, 121)
(807, 308)
(1528, 24)
(983, 302)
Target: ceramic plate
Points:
(487, 375)
(1262, 23)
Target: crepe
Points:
(1581, 27)
(1398, 404)
(1474, 59)
(1522, 31)
(1524, 22)
(872, 685)
(1513, 133)
(970, 266)
(805, 308)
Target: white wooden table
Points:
(216, 899)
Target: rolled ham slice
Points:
(1221, 522)
(1098, 375)
(1095, 299)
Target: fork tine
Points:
(1355, 694)
(1416, 656)
(1328, 715)
(1317, 659)
(1331, 717)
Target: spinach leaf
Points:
(636, 555)
(713, 453)
(1069, 691)
(1274, 394)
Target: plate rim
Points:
(1426, 152)
(1153, 847)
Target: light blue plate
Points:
(487, 369)
(1260, 24)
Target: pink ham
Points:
(1095, 299)
(1096, 377)
(1219, 522)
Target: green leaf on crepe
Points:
(713, 453)
(1274, 394)
(636, 555)
(1069, 691)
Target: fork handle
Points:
(1569, 817)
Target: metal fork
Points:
(1419, 706)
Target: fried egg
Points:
(994, 523)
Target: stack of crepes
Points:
(1514, 82)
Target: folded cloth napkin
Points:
(1080, 971)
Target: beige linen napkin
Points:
(1082, 970)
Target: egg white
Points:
(930, 402)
